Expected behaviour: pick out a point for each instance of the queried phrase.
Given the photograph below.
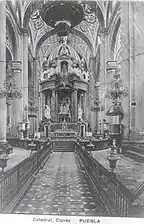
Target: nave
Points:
(60, 188)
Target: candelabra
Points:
(116, 93)
(10, 90)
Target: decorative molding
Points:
(111, 65)
(16, 65)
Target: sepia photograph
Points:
(71, 110)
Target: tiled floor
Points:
(60, 188)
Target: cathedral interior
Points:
(71, 102)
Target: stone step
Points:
(63, 146)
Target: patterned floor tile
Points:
(60, 188)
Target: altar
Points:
(64, 87)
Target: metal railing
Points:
(15, 182)
(116, 198)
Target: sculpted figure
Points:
(47, 112)
(80, 113)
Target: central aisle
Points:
(60, 188)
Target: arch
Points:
(109, 10)
(114, 36)
(31, 6)
(100, 16)
(52, 32)
(11, 26)
(18, 10)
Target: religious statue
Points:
(45, 64)
(80, 113)
(48, 70)
(47, 112)
(64, 125)
(76, 69)
(64, 50)
(64, 107)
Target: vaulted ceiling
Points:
(83, 38)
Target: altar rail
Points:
(16, 181)
(24, 143)
(59, 126)
(99, 144)
(116, 198)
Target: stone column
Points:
(36, 90)
(93, 115)
(104, 55)
(3, 106)
(17, 103)
(42, 106)
(56, 104)
(53, 112)
(86, 106)
(75, 105)
(25, 68)
(132, 65)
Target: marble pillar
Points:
(3, 106)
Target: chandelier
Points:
(10, 90)
(62, 15)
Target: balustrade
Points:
(116, 198)
(14, 180)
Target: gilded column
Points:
(3, 106)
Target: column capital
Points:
(111, 65)
(16, 66)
